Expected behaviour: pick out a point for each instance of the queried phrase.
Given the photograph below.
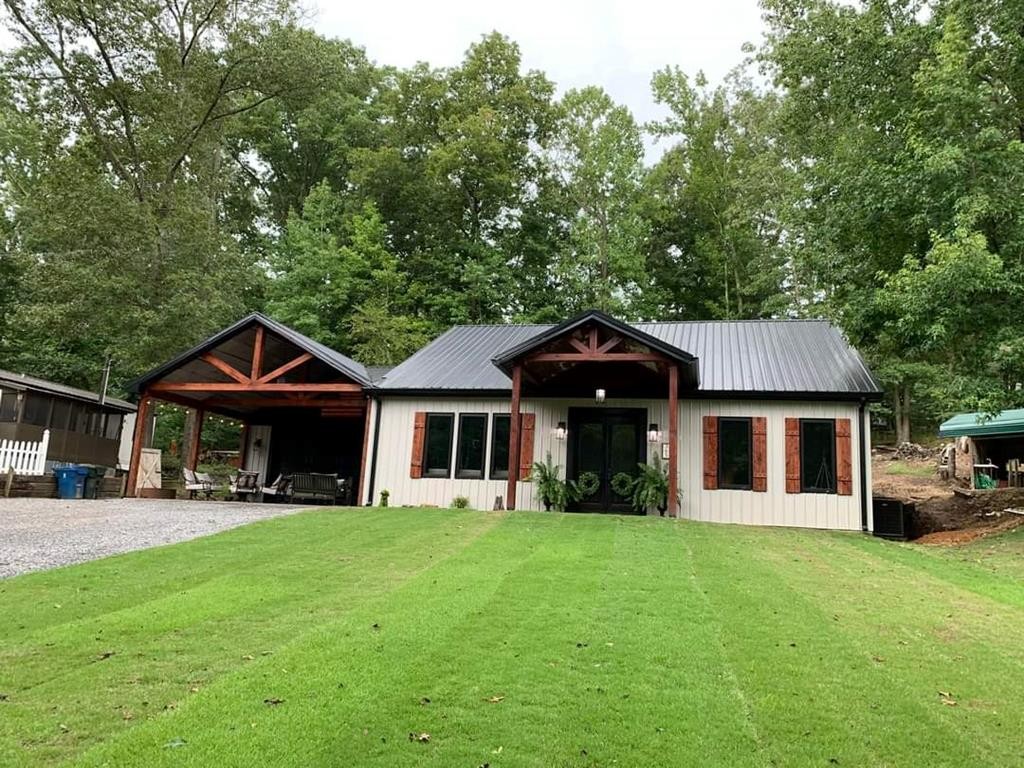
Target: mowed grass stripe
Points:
(522, 614)
(868, 670)
(929, 635)
(605, 640)
(167, 643)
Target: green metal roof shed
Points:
(1009, 422)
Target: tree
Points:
(716, 246)
(117, 212)
(455, 177)
(335, 280)
(905, 133)
(597, 155)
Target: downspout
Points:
(376, 448)
(863, 468)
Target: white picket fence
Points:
(24, 457)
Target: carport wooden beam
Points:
(256, 387)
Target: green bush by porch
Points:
(518, 639)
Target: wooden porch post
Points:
(673, 440)
(361, 482)
(138, 437)
(243, 445)
(513, 439)
(194, 443)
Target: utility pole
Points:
(106, 381)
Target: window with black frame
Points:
(501, 428)
(817, 456)
(437, 450)
(37, 410)
(471, 446)
(735, 470)
(8, 405)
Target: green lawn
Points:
(520, 639)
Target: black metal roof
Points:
(22, 382)
(749, 357)
(339, 362)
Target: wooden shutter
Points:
(844, 458)
(419, 433)
(792, 455)
(710, 453)
(527, 422)
(760, 449)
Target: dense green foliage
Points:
(165, 167)
(518, 639)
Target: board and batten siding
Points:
(772, 507)
(775, 506)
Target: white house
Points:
(760, 422)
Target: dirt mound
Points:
(965, 535)
(971, 513)
(944, 512)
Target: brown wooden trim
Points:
(710, 425)
(578, 345)
(592, 339)
(138, 437)
(362, 459)
(759, 429)
(419, 433)
(844, 458)
(211, 386)
(792, 455)
(595, 356)
(305, 357)
(673, 441)
(513, 438)
(223, 367)
(257, 353)
(529, 421)
(609, 345)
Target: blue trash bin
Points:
(71, 482)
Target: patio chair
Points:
(277, 489)
(314, 486)
(211, 484)
(194, 484)
(244, 484)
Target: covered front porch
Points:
(301, 404)
(606, 368)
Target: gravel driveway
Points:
(36, 534)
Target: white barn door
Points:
(257, 451)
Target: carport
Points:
(984, 439)
(302, 405)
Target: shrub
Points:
(460, 502)
(384, 497)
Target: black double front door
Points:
(604, 442)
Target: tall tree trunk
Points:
(901, 412)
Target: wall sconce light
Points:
(653, 435)
(560, 431)
(599, 396)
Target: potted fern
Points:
(550, 487)
(650, 489)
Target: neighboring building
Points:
(81, 429)
(985, 443)
(760, 422)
